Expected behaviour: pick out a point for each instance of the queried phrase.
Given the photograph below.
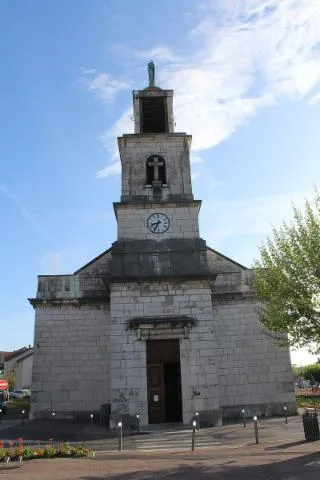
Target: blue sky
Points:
(246, 75)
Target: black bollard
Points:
(194, 424)
(91, 418)
(138, 422)
(244, 418)
(198, 421)
(22, 417)
(285, 413)
(120, 436)
(0, 415)
(255, 422)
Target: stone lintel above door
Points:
(161, 327)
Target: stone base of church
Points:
(210, 418)
(271, 409)
(77, 415)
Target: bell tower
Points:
(155, 160)
(158, 230)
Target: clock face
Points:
(158, 223)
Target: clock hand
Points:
(156, 225)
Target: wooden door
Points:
(156, 393)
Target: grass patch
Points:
(307, 401)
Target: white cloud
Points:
(315, 100)
(110, 170)
(246, 55)
(109, 140)
(195, 175)
(196, 159)
(252, 217)
(89, 71)
(103, 85)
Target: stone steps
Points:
(165, 440)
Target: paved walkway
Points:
(295, 461)
(98, 439)
(282, 453)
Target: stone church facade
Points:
(160, 324)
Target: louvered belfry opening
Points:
(153, 115)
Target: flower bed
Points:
(41, 451)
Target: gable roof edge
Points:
(92, 261)
(227, 258)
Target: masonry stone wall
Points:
(132, 221)
(199, 370)
(71, 360)
(255, 371)
(174, 148)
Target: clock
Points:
(158, 223)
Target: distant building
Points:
(20, 363)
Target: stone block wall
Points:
(199, 371)
(254, 371)
(71, 360)
(132, 221)
(173, 147)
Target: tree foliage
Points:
(308, 372)
(312, 373)
(287, 277)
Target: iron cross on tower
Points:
(156, 163)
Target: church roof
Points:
(228, 259)
(92, 261)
